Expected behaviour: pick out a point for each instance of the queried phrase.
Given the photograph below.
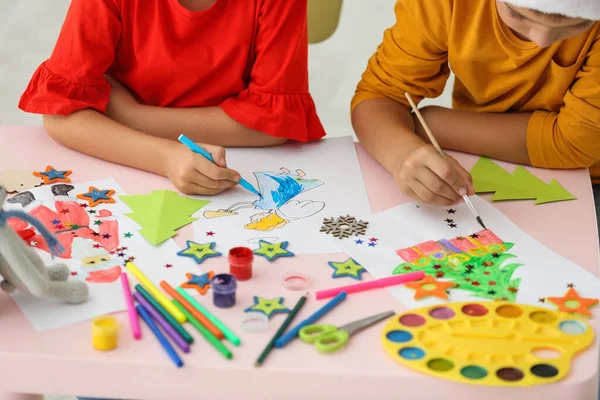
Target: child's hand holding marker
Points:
(424, 175)
(192, 173)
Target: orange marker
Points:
(197, 314)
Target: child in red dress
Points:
(127, 77)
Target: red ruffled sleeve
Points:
(277, 101)
(73, 78)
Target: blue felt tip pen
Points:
(292, 334)
(161, 338)
(199, 150)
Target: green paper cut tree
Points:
(482, 271)
(489, 177)
(161, 213)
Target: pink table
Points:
(63, 361)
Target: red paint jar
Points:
(240, 263)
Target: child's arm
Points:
(411, 59)
(276, 105)
(92, 133)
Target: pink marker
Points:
(133, 317)
(375, 284)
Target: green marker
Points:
(212, 339)
(172, 321)
(221, 326)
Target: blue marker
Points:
(292, 334)
(199, 150)
(161, 338)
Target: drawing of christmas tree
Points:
(476, 263)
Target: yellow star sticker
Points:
(199, 252)
(269, 307)
(572, 303)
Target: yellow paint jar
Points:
(104, 333)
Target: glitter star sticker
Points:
(348, 268)
(199, 282)
(269, 307)
(272, 251)
(430, 287)
(50, 175)
(96, 196)
(199, 252)
(573, 303)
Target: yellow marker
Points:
(157, 294)
(104, 333)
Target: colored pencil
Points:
(197, 314)
(157, 294)
(199, 150)
(169, 330)
(441, 152)
(229, 335)
(172, 321)
(212, 339)
(161, 338)
(280, 331)
(134, 322)
(374, 284)
(292, 334)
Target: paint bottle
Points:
(104, 333)
(224, 287)
(240, 263)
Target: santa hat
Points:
(83, 248)
(586, 9)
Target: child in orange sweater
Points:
(527, 90)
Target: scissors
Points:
(329, 338)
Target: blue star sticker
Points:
(269, 307)
(50, 175)
(272, 251)
(96, 196)
(200, 280)
(372, 244)
(199, 252)
(56, 222)
(359, 241)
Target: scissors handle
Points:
(332, 341)
(310, 333)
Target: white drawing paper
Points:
(98, 241)
(300, 184)
(502, 263)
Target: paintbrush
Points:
(439, 150)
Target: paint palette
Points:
(494, 344)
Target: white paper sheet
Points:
(542, 273)
(333, 186)
(106, 296)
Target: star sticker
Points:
(83, 205)
(573, 303)
(495, 255)
(50, 175)
(75, 226)
(359, 241)
(96, 246)
(128, 235)
(106, 236)
(55, 222)
(269, 307)
(570, 285)
(452, 225)
(130, 259)
(168, 265)
(96, 196)
(542, 300)
(372, 244)
(73, 273)
(475, 236)
(469, 267)
(451, 211)
(59, 226)
(121, 254)
(95, 234)
(64, 211)
(33, 243)
(437, 266)
(430, 287)
(123, 248)
(199, 252)
(91, 211)
(373, 239)
(272, 251)
(199, 282)
(112, 253)
(97, 222)
(210, 233)
(349, 268)
(448, 220)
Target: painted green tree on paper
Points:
(478, 264)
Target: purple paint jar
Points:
(224, 287)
